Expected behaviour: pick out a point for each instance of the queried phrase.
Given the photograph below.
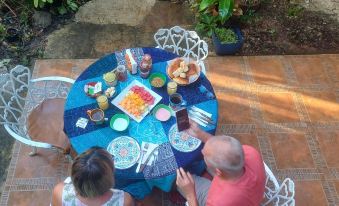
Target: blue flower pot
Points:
(227, 49)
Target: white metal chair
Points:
(275, 194)
(183, 43)
(20, 95)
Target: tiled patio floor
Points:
(285, 106)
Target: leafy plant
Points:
(220, 8)
(2, 32)
(206, 25)
(41, 3)
(250, 17)
(212, 13)
(4, 63)
(226, 36)
(294, 10)
(249, 2)
(65, 5)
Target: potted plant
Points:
(213, 16)
(227, 40)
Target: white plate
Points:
(119, 98)
(191, 79)
(126, 151)
(181, 141)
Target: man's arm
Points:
(195, 131)
(186, 185)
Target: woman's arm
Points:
(128, 200)
(57, 194)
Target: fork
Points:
(143, 152)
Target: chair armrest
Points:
(54, 78)
(25, 140)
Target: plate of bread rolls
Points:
(183, 71)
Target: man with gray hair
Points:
(238, 173)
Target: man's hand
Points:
(195, 131)
(186, 184)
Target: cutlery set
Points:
(148, 156)
(200, 116)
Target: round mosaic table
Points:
(162, 173)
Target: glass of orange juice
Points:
(102, 102)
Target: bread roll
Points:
(192, 69)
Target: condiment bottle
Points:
(145, 66)
(131, 62)
(171, 87)
(121, 72)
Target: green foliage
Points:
(64, 7)
(294, 11)
(224, 8)
(212, 13)
(2, 32)
(4, 63)
(250, 17)
(226, 36)
(250, 2)
(206, 24)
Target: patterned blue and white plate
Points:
(182, 141)
(126, 151)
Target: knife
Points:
(202, 117)
(142, 167)
(209, 115)
(202, 112)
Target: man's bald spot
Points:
(225, 153)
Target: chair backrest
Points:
(275, 194)
(20, 95)
(182, 42)
(13, 97)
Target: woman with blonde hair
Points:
(91, 182)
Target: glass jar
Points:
(110, 79)
(146, 63)
(121, 73)
(171, 87)
(144, 74)
(102, 102)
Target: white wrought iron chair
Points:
(20, 95)
(275, 194)
(183, 43)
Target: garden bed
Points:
(279, 27)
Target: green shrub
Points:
(294, 10)
(63, 7)
(211, 13)
(2, 32)
(226, 36)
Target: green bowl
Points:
(158, 75)
(159, 106)
(115, 118)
